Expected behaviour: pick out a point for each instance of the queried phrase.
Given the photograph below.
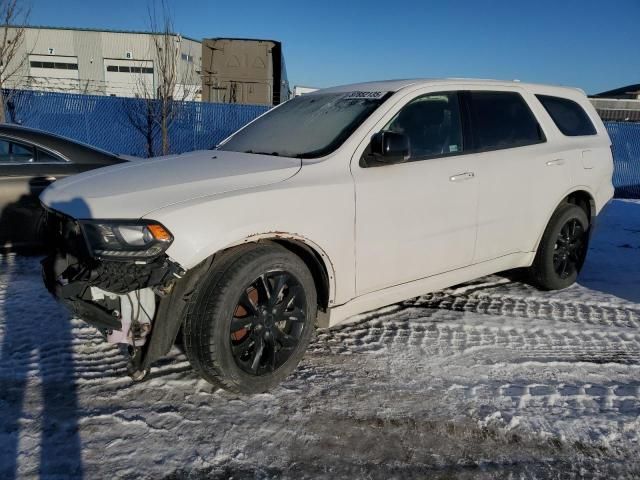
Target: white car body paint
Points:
(131, 190)
(385, 234)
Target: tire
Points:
(547, 270)
(222, 352)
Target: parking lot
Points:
(488, 379)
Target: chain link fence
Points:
(129, 125)
(121, 125)
(625, 137)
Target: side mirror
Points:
(390, 147)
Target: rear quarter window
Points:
(47, 157)
(569, 116)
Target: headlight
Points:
(125, 240)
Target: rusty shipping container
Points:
(243, 71)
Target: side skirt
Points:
(344, 313)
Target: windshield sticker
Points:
(364, 95)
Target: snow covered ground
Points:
(487, 380)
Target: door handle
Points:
(556, 162)
(42, 181)
(462, 176)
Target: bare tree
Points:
(14, 16)
(166, 54)
(177, 82)
(142, 116)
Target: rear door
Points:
(522, 174)
(25, 171)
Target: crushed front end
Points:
(134, 296)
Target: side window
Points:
(4, 151)
(569, 117)
(48, 157)
(432, 123)
(23, 151)
(502, 120)
(11, 152)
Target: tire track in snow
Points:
(349, 367)
(599, 332)
(497, 327)
(575, 399)
(430, 323)
(560, 309)
(441, 332)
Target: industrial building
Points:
(620, 105)
(117, 63)
(124, 64)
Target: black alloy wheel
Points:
(251, 318)
(569, 249)
(563, 248)
(267, 322)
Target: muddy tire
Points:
(562, 250)
(251, 320)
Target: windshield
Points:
(308, 126)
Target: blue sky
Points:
(590, 44)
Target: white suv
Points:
(334, 203)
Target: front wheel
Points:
(252, 319)
(563, 248)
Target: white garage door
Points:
(129, 78)
(54, 73)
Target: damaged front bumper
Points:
(113, 298)
(133, 303)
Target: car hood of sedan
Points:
(133, 189)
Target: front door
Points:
(418, 218)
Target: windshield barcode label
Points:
(361, 95)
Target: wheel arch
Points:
(316, 259)
(584, 200)
(580, 196)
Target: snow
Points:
(492, 379)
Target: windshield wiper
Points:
(274, 154)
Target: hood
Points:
(129, 158)
(133, 189)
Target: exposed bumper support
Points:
(139, 304)
(93, 314)
(150, 329)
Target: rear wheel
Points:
(563, 248)
(252, 319)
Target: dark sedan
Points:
(29, 161)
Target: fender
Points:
(171, 310)
(578, 188)
(170, 314)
